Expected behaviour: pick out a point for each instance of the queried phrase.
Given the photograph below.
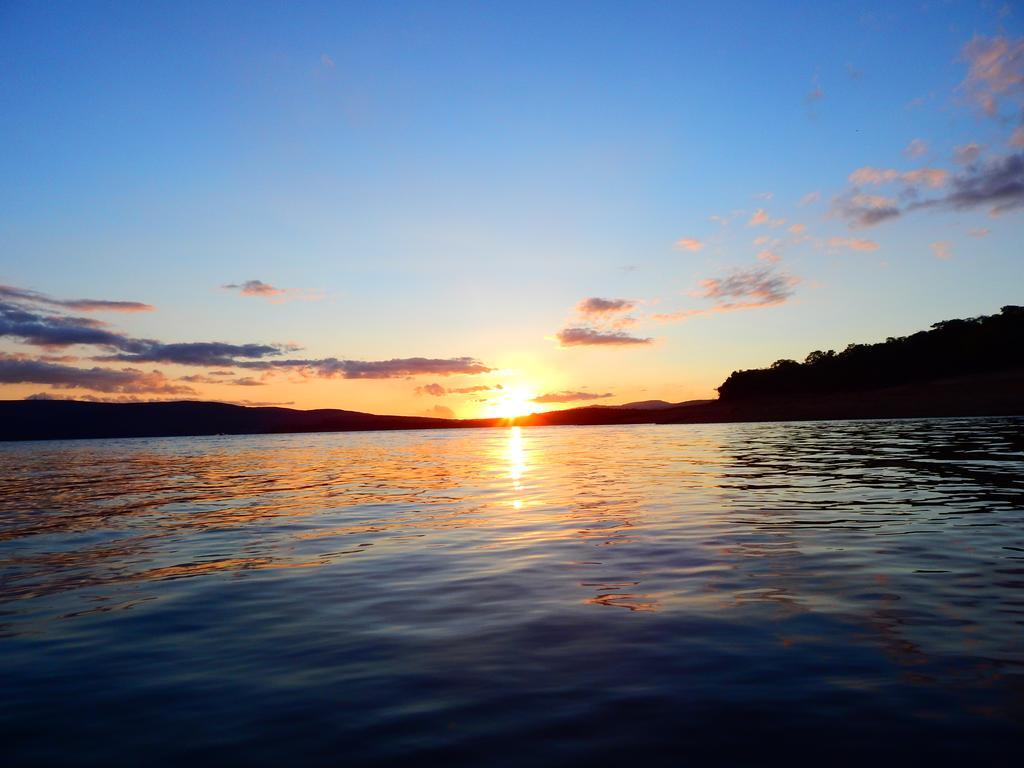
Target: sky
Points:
(481, 209)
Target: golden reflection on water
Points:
(516, 463)
(724, 519)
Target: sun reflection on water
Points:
(516, 463)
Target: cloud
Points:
(49, 330)
(326, 61)
(198, 353)
(998, 184)
(436, 390)
(931, 177)
(578, 337)
(965, 154)
(255, 288)
(1017, 137)
(126, 380)
(810, 198)
(979, 232)
(218, 378)
(749, 288)
(569, 397)
(79, 305)
(37, 327)
(797, 229)
(942, 250)
(861, 210)
(995, 70)
(852, 243)
(602, 307)
(332, 367)
(440, 412)
(760, 217)
(916, 148)
(689, 244)
(769, 256)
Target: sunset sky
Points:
(475, 209)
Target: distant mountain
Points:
(656, 405)
(61, 419)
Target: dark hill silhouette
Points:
(971, 367)
(655, 405)
(979, 345)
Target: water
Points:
(712, 594)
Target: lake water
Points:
(672, 595)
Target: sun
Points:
(513, 402)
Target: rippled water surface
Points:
(678, 595)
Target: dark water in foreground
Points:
(678, 595)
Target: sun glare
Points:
(513, 402)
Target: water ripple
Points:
(728, 593)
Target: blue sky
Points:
(449, 180)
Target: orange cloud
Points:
(853, 244)
(760, 217)
(689, 244)
(995, 70)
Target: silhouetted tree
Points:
(952, 347)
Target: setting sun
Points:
(512, 402)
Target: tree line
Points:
(984, 344)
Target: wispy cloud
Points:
(273, 293)
(439, 390)
(398, 368)
(942, 250)
(570, 397)
(689, 244)
(604, 307)
(433, 389)
(997, 185)
(16, 370)
(810, 198)
(255, 288)
(749, 288)
(853, 243)
(759, 217)
(931, 177)
(579, 337)
(39, 328)
(965, 154)
(79, 305)
(995, 71)
(862, 210)
(916, 148)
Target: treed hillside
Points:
(986, 344)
